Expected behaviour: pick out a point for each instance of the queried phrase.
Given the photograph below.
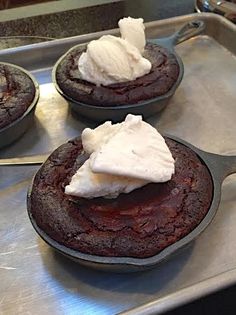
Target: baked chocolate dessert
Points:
(163, 75)
(17, 92)
(139, 224)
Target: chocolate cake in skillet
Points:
(17, 91)
(114, 71)
(138, 224)
(163, 75)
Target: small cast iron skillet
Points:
(19, 126)
(219, 167)
(147, 107)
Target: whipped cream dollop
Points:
(111, 59)
(123, 157)
(132, 30)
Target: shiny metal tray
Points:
(35, 279)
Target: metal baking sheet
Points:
(36, 280)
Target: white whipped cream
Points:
(132, 30)
(123, 157)
(113, 59)
(87, 184)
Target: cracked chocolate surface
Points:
(17, 92)
(139, 224)
(163, 75)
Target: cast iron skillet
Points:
(19, 126)
(145, 108)
(219, 167)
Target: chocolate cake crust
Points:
(17, 92)
(163, 75)
(139, 224)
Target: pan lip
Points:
(134, 261)
(140, 104)
(33, 103)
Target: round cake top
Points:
(163, 75)
(17, 92)
(139, 224)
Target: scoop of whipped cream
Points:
(111, 59)
(132, 30)
(123, 157)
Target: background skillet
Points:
(17, 128)
(148, 107)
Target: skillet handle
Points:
(221, 165)
(187, 31)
